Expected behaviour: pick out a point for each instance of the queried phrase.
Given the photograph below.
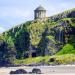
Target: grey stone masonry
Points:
(40, 13)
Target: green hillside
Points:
(54, 36)
(67, 49)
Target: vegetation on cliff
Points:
(55, 36)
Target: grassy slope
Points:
(56, 59)
(67, 49)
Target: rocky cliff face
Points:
(35, 38)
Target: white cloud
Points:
(68, 5)
(12, 16)
(2, 29)
(14, 12)
(58, 8)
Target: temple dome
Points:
(40, 8)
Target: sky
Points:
(15, 12)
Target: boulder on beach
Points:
(36, 71)
(19, 71)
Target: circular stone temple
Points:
(40, 13)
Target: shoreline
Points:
(35, 65)
(63, 69)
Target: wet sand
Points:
(46, 70)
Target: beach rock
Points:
(19, 71)
(36, 71)
(52, 60)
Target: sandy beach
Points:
(46, 70)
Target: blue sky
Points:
(14, 12)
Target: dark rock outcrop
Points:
(19, 71)
(36, 71)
